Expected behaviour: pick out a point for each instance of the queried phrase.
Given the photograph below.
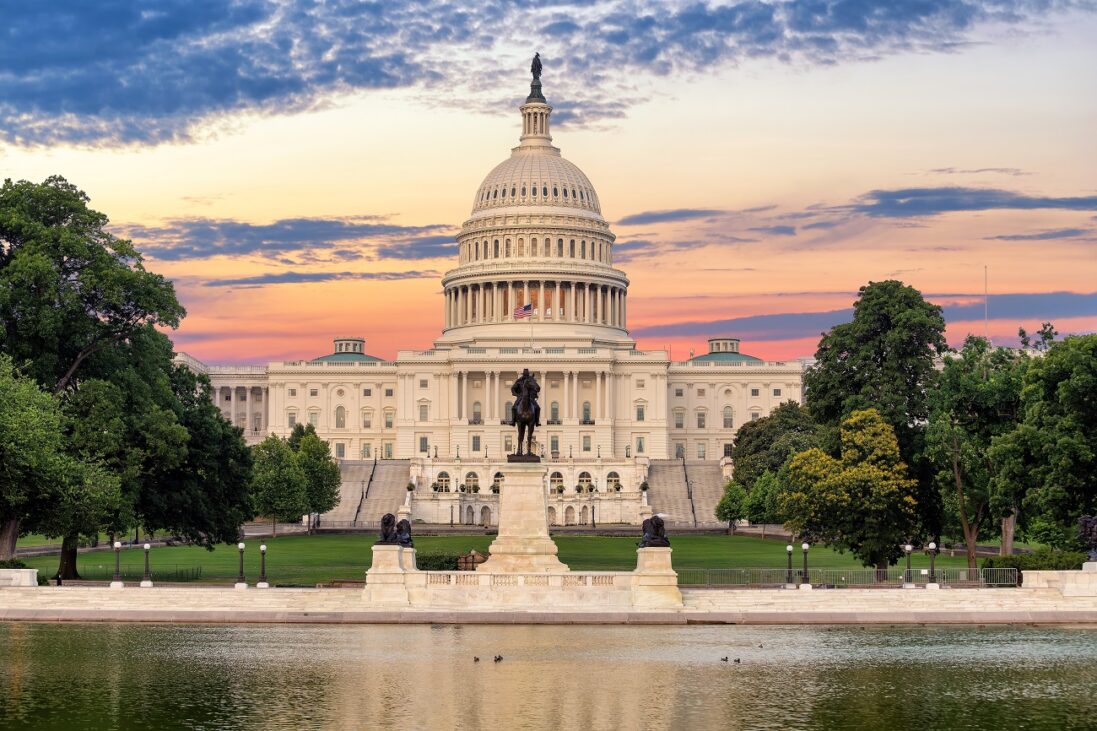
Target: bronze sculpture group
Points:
(395, 534)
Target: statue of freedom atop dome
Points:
(535, 67)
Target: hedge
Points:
(1045, 559)
(436, 561)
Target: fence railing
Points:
(135, 572)
(839, 578)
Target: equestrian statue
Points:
(526, 412)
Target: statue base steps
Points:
(523, 544)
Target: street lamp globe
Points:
(263, 548)
(789, 548)
(932, 546)
(908, 548)
(240, 546)
(148, 546)
(804, 546)
(118, 544)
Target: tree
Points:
(278, 484)
(767, 443)
(299, 431)
(762, 504)
(732, 505)
(322, 478)
(1049, 460)
(863, 502)
(884, 359)
(977, 398)
(69, 289)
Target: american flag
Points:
(523, 311)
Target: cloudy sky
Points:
(299, 168)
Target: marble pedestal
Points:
(655, 582)
(523, 544)
(386, 580)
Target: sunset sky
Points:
(299, 168)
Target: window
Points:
(700, 392)
(291, 419)
(424, 448)
(679, 420)
(314, 418)
(497, 481)
(443, 481)
(639, 445)
(678, 392)
(554, 411)
(776, 392)
(424, 412)
(367, 451)
(701, 450)
(367, 419)
(388, 419)
(367, 391)
(422, 383)
(755, 416)
(554, 444)
(476, 443)
(727, 451)
(729, 417)
(313, 392)
(586, 411)
(508, 444)
(340, 418)
(679, 450)
(586, 442)
(640, 383)
(293, 392)
(340, 450)
(700, 419)
(584, 479)
(639, 412)
(754, 392)
(613, 481)
(388, 450)
(477, 414)
(388, 393)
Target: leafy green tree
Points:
(1048, 463)
(299, 431)
(762, 501)
(767, 443)
(87, 496)
(884, 360)
(863, 502)
(322, 478)
(69, 289)
(278, 486)
(977, 398)
(732, 505)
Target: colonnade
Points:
(553, 301)
(234, 402)
(569, 395)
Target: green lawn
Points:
(314, 559)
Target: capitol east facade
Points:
(624, 432)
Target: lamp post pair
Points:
(241, 582)
(116, 582)
(805, 581)
(908, 576)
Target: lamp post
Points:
(788, 576)
(146, 582)
(806, 583)
(262, 568)
(116, 582)
(908, 578)
(241, 582)
(932, 567)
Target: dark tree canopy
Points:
(767, 443)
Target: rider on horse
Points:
(528, 382)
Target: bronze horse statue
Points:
(526, 412)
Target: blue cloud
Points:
(198, 238)
(1062, 233)
(148, 71)
(677, 214)
(312, 277)
(916, 202)
(423, 247)
(775, 230)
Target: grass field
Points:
(315, 559)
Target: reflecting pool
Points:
(125, 676)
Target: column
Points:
(510, 301)
(597, 410)
(624, 309)
(451, 383)
(571, 302)
(575, 396)
(590, 303)
(541, 302)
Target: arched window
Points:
(497, 481)
(583, 250)
(584, 480)
(544, 190)
(554, 411)
(340, 417)
(495, 193)
(700, 419)
(476, 413)
(613, 481)
(509, 406)
(572, 252)
(472, 480)
(443, 481)
(586, 411)
(512, 191)
(729, 419)
(367, 418)
(560, 247)
(523, 191)
(521, 247)
(555, 192)
(504, 192)
(496, 248)
(533, 247)
(533, 191)
(556, 480)
(565, 192)
(508, 248)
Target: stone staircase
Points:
(355, 475)
(667, 492)
(708, 487)
(387, 490)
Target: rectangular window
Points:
(228, 396)
(755, 416)
(554, 444)
(313, 392)
(754, 392)
(388, 393)
(700, 392)
(340, 450)
(424, 448)
(701, 450)
(314, 418)
(367, 451)
(679, 420)
(476, 444)
(388, 450)
(367, 422)
(422, 383)
(639, 384)
(423, 412)
(776, 392)
(291, 419)
(293, 392)
(727, 450)
(508, 444)
(388, 420)
(700, 419)
(639, 445)
(367, 391)
(678, 392)
(639, 413)
(586, 442)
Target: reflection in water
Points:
(118, 676)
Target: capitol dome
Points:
(535, 250)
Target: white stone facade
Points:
(536, 237)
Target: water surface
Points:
(125, 676)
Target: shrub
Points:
(12, 563)
(1045, 559)
(436, 561)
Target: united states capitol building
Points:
(624, 432)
